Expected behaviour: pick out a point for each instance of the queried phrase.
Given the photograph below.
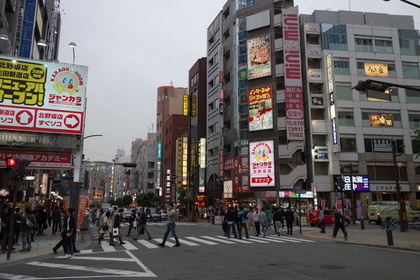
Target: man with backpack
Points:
(243, 217)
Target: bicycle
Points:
(389, 224)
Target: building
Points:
(351, 132)
(143, 153)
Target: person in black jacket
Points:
(231, 218)
(278, 221)
(339, 224)
(69, 229)
(117, 224)
(131, 221)
(289, 220)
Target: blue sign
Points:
(159, 150)
(360, 183)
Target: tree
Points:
(126, 200)
(149, 199)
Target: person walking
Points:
(269, 215)
(170, 227)
(289, 220)
(339, 224)
(263, 221)
(278, 221)
(231, 218)
(243, 217)
(250, 221)
(16, 227)
(42, 220)
(104, 225)
(131, 221)
(5, 216)
(142, 225)
(28, 222)
(69, 229)
(117, 228)
(100, 222)
(56, 219)
(257, 221)
(321, 221)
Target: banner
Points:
(83, 203)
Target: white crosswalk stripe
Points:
(194, 241)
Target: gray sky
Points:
(136, 46)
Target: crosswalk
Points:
(193, 241)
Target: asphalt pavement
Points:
(371, 235)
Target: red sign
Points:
(173, 176)
(262, 180)
(39, 159)
(83, 203)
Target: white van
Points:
(380, 210)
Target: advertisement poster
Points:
(381, 120)
(260, 108)
(42, 96)
(259, 57)
(262, 164)
(83, 203)
(39, 159)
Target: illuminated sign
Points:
(42, 97)
(185, 109)
(262, 164)
(381, 120)
(159, 150)
(40, 159)
(259, 57)
(260, 108)
(360, 182)
(376, 69)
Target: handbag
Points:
(115, 232)
(105, 226)
(29, 223)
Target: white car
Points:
(164, 214)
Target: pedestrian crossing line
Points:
(186, 242)
(272, 239)
(129, 246)
(236, 240)
(167, 243)
(202, 241)
(107, 248)
(219, 239)
(254, 240)
(147, 244)
(287, 238)
(86, 251)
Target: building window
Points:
(363, 44)
(416, 146)
(334, 36)
(408, 41)
(414, 121)
(410, 70)
(346, 118)
(341, 67)
(384, 45)
(321, 168)
(343, 91)
(412, 96)
(348, 144)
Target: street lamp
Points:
(73, 46)
(4, 37)
(402, 212)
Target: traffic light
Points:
(11, 166)
(338, 183)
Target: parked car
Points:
(154, 214)
(126, 215)
(164, 214)
(313, 217)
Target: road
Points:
(206, 254)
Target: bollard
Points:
(362, 224)
(389, 237)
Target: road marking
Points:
(186, 242)
(129, 246)
(202, 241)
(299, 239)
(250, 240)
(147, 244)
(219, 239)
(167, 243)
(272, 239)
(107, 248)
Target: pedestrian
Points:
(42, 220)
(131, 221)
(257, 221)
(142, 224)
(28, 222)
(263, 221)
(5, 215)
(170, 227)
(278, 221)
(100, 221)
(104, 225)
(16, 227)
(321, 221)
(339, 224)
(111, 225)
(289, 220)
(35, 213)
(250, 221)
(231, 218)
(269, 215)
(243, 217)
(116, 227)
(69, 230)
(56, 219)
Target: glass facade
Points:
(334, 36)
(408, 41)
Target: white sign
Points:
(262, 164)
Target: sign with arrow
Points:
(262, 164)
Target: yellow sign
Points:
(185, 105)
(376, 69)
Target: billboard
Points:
(259, 57)
(40, 159)
(260, 108)
(293, 75)
(360, 182)
(262, 163)
(42, 96)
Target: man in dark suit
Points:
(117, 225)
(69, 229)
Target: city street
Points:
(206, 254)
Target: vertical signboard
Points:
(293, 75)
(27, 30)
(259, 57)
(260, 108)
(262, 163)
(335, 140)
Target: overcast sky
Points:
(132, 47)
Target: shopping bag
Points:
(115, 232)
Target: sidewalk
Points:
(372, 236)
(43, 245)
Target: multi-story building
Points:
(30, 29)
(143, 153)
(351, 132)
